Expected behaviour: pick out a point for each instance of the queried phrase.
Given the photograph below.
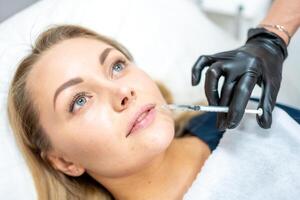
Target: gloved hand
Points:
(259, 61)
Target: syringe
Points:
(182, 107)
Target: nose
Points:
(123, 97)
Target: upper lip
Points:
(143, 109)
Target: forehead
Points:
(71, 53)
(67, 51)
(63, 61)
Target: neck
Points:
(167, 177)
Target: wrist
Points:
(265, 36)
(280, 31)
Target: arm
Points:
(259, 61)
(285, 13)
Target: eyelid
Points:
(75, 98)
(119, 59)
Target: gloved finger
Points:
(213, 75)
(226, 96)
(241, 95)
(267, 103)
(226, 55)
(201, 63)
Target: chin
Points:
(147, 145)
(160, 135)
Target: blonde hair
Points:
(31, 138)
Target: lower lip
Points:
(145, 122)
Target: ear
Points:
(64, 165)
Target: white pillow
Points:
(165, 37)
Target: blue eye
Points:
(79, 100)
(118, 66)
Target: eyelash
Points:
(75, 98)
(118, 61)
(85, 94)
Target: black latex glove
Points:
(259, 61)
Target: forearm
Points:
(285, 13)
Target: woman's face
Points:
(89, 95)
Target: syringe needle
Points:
(182, 107)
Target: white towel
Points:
(253, 163)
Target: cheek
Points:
(109, 154)
(91, 136)
(144, 83)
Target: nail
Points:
(194, 79)
(231, 125)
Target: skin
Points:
(285, 13)
(93, 138)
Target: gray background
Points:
(10, 7)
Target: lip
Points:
(142, 110)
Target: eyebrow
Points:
(78, 80)
(67, 84)
(104, 55)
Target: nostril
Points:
(132, 93)
(124, 101)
